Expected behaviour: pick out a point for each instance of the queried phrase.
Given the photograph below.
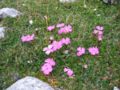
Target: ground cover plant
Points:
(23, 51)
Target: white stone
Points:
(30, 22)
(30, 83)
(9, 12)
(116, 88)
(2, 31)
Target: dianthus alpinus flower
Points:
(48, 65)
(80, 51)
(64, 30)
(51, 28)
(56, 45)
(46, 68)
(98, 32)
(65, 41)
(27, 38)
(69, 72)
(50, 61)
(93, 50)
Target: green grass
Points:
(103, 72)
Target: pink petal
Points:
(79, 53)
(27, 38)
(60, 25)
(93, 50)
(50, 61)
(47, 52)
(45, 49)
(65, 69)
(50, 28)
(99, 28)
(95, 31)
(100, 32)
(67, 41)
(46, 72)
(70, 73)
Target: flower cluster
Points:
(28, 38)
(49, 63)
(80, 51)
(47, 67)
(62, 28)
(93, 50)
(56, 45)
(69, 72)
(98, 32)
(66, 29)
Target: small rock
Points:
(116, 88)
(94, 9)
(2, 31)
(29, 61)
(9, 12)
(30, 83)
(108, 1)
(98, 15)
(111, 1)
(51, 38)
(30, 22)
(66, 52)
(85, 66)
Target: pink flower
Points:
(50, 28)
(69, 72)
(60, 31)
(98, 32)
(65, 29)
(59, 25)
(50, 61)
(48, 49)
(93, 50)
(80, 51)
(52, 47)
(27, 38)
(56, 45)
(99, 28)
(65, 69)
(95, 31)
(46, 68)
(65, 41)
(100, 37)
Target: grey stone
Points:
(30, 83)
(67, 1)
(9, 12)
(111, 1)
